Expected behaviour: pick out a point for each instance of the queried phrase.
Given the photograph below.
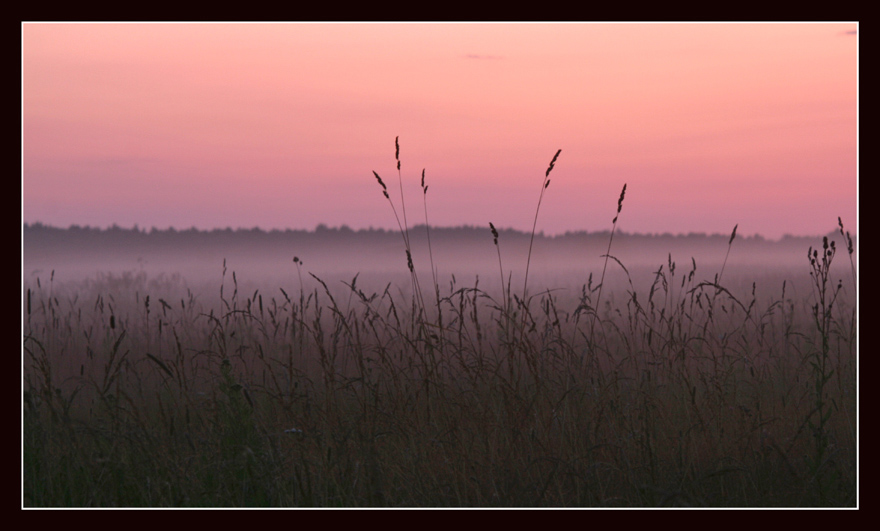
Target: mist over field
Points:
(264, 260)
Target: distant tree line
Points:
(119, 235)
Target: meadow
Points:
(691, 389)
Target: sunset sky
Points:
(282, 125)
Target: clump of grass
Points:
(418, 299)
(819, 359)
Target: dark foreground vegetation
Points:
(677, 393)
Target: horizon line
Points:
(346, 228)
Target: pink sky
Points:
(282, 125)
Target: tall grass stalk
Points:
(727, 255)
(431, 258)
(544, 185)
(417, 288)
(500, 266)
(606, 256)
(847, 239)
(428, 236)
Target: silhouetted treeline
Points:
(75, 234)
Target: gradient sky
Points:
(282, 125)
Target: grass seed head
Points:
(620, 203)
(552, 163)
(385, 188)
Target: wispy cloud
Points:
(478, 56)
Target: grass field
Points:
(138, 392)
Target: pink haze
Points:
(281, 125)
